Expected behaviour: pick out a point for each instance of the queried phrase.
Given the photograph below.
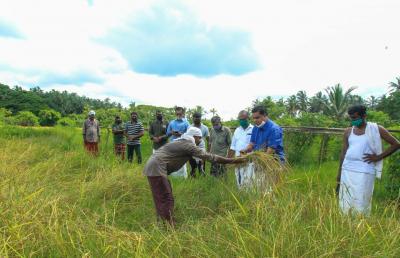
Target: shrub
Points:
(393, 176)
(25, 118)
(66, 121)
(48, 117)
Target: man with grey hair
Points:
(240, 140)
(219, 143)
(91, 134)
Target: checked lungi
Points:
(119, 150)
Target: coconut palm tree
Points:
(338, 100)
(317, 103)
(213, 111)
(395, 86)
(302, 101)
(291, 105)
(372, 102)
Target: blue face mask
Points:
(357, 122)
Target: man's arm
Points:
(169, 130)
(98, 132)
(195, 151)
(342, 155)
(231, 151)
(390, 139)
(84, 131)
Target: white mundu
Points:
(357, 177)
(240, 140)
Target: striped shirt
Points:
(133, 129)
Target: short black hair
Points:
(260, 109)
(215, 119)
(179, 109)
(134, 113)
(117, 116)
(197, 114)
(360, 109)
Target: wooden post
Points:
(323, 148)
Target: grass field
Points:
(55, 201)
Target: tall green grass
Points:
(56, 201)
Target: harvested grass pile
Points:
(268, 171)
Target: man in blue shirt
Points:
(266, 135)
(176, 128)
(179, 126)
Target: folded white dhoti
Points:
(182, 172)
(245, 176)
(356, 190)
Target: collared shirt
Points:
(133, 129)
(241, 138)
(119, 138)
(176, 125)
(91, 130)
(159, 128)
(269, 135)
(205, 133)
(220, 141)
(173, 155)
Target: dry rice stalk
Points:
(268, 170)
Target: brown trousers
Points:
(163, 198)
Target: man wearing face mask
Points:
(266, 135)
(220, 141)
(169, 158)
(118, 130)
(240, 140)
(361, 161)
(176, 129)
(158, 131)
(134, 130)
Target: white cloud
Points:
(303, 45)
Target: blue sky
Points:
(7, 30)
(218, 54)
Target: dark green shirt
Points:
(119, 138)
(220, 141)
(157, 129)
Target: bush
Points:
(393, 171)
(25, 118)
(379, 117)
(66, 121)
(4, 115)
(48, 117)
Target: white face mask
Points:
(261, 125)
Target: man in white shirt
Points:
(240, 140)
(361, 161)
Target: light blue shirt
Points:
(241, 138)
(176, 125)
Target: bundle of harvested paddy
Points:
(267, 170)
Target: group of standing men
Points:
(265, 134)
(126, 136)
(219, 140)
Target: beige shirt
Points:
(173, 156)
(91, 130)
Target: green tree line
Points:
(325, 108)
